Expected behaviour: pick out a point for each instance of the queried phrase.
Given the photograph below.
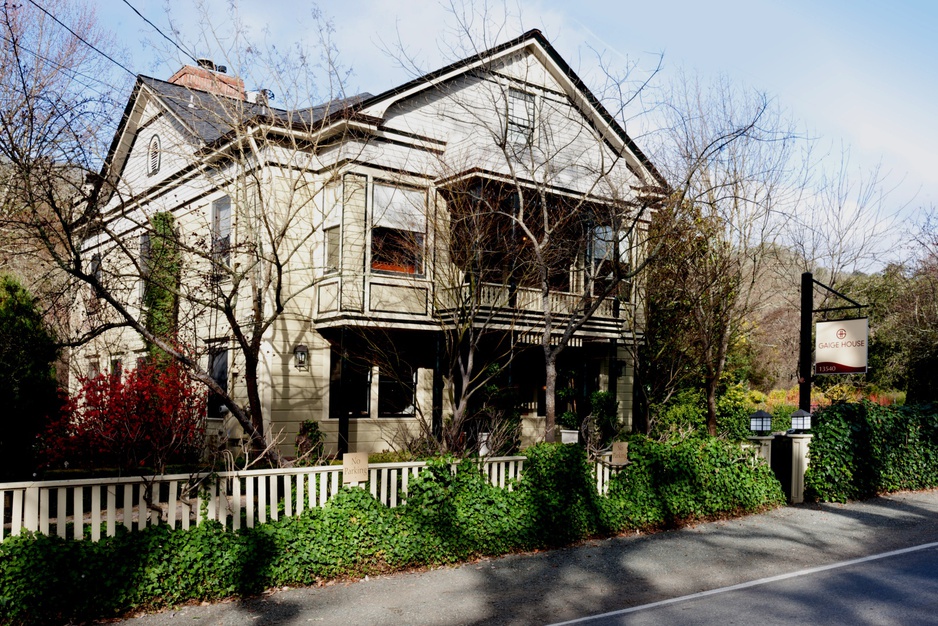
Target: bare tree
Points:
(265, 171)
(57, 69)
(731, 157)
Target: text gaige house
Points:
(341, 263)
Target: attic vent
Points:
(153, 156)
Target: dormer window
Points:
(153, 156)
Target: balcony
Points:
(499, 307)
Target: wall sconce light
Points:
(801, 420)
(760, 422)
(301, 357)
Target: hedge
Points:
(449, 517)
(862, 449)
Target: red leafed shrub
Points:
(143, 420)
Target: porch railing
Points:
(496, 296)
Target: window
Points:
(609, 253)
(221, 233)
(520, 122)
(397, 388)
(144, 262)
(95, 271)
(354, 389)
(398, 227)
(153, 155)
(332, 249)
(94, 268)
(218, 369)
(117, 367)
(91, 368)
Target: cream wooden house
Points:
(345, 214)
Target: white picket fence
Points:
(92, 508)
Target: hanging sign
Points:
(841, 347)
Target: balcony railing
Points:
(493, 297)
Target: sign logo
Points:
(841, 333)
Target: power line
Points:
(157, 29)
(81, 39)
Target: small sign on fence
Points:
(620, 453)
(354, 467)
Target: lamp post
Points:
(760, 423)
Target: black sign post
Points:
(805, 373)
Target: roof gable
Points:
(555, 69)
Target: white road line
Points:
(752, 583)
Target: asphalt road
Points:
(684, 574)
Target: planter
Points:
(569, 436)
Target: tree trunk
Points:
(550, 388)
(258, 440)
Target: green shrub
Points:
(449, 516)
(781, 417)
(310, 442)
(734, 407)
(605, 411)
(686, 411)
(681, 479)
(861, 449)
(559, 493)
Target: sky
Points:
(861, 74)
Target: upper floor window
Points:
(94, 269)
(221, 232)
(521, 118)
(333, 237)
(332, 228)
(398, 227)
(153, 155)
(609, 258)
(218, 370)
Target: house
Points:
(357, 246)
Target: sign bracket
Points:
(805, 375)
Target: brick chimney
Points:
(211, 78)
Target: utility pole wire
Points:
(165, 36)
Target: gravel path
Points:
(596, 576)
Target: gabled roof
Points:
(209, 117)
(382, 101)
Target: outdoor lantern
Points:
(801, 420)
(760, 422)
(301, 357)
